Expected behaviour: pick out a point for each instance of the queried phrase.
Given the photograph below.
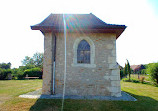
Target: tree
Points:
(4, 73)
(5, 70)
(121, 73)
(129, 69)
(27, 61)
(125, 70)
(17, 73)
(152, 70)
(5, 65)
(36, 60)
(29, 66)
(143, 71)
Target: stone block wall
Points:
(101, 79)
(48, 63)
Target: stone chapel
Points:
(91, 55)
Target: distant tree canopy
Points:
(5, 70)
(33, 66)
(4, 73)
(5, 65)
(27, 61)
(28, 66)
(36, 60)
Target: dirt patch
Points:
(3, 99)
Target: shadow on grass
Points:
(143, 103)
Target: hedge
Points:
(4, 73)
(34, 72)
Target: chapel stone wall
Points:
(103, 78)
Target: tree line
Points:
(150, 69)
(31, 66)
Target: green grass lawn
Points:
(135, 76)
(147, 96)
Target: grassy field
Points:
(11, 89)
(147, 96)
(135, 76)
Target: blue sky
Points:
(138, 43)
(154, 5)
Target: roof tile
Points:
(77, 21)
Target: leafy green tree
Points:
(143, 71)
(28, 66)
(121, 73)
(5, 65)
(32, 66)
(5, 70)
(27, 61)
(152, 70)
(4, 73)
(125, 70)
(129, 69)
(36, 60)
(18, 73)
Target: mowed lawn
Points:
(146, 77)
(146, 95)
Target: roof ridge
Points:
(70, 13)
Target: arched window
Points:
(83, 52)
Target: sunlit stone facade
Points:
(100, 77)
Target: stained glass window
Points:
(83, 52)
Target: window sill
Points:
(83, 65)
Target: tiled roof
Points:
(137, 67)
(134, 66)
(86, 22)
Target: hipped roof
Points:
(77, 22)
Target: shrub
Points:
(121, 74)
(153, 72)
(20, 76)
(29, 66)
(4, 73)
(141, 79)
(18, 73)
(34, 72)
(143, 71)
(131, 80)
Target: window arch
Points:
(83, 52)
(76, 47)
